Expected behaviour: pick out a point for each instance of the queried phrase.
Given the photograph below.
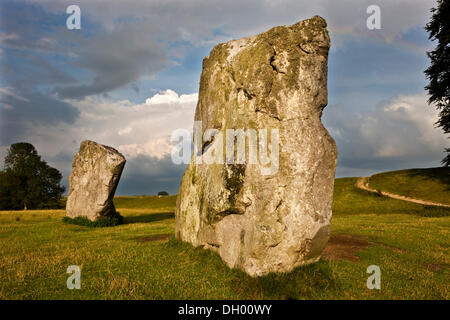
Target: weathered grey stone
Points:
(96, 171)
(264, 223)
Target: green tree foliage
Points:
(438, 73)
(163, 193)
(28, 182)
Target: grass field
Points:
(140, 259)
(431, 184)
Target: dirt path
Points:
(363, 183)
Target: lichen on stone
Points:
(261, 224)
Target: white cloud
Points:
(134, 129)
(157, 148)
(403, 128)
(169, 96)
(140, 131)
(125, 131)
(398, 134)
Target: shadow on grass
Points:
(440, 174)
(109, 221)
(150, 217)
(314, 281)
(434, 212)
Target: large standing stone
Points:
(96, 171)
(264, 223)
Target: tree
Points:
(4, 191)
(163, 193)
(439, 71)
(27, 182)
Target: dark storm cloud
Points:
(116, 59)
(199, 21)
(30, 65)
(18, 112)
(398, 134)
(42, 63)
(28, 71)
(148, 175)
(38, 50)
(28, 26)
(123, 44)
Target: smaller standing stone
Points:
(96, 171)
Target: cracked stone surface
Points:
(264, 223)
(96, 171)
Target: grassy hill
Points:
(141, 260)
(349, 200)
(145, 202)
(426, 184)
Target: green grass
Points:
(123, 262)
(431, 184)
(349, 200)
(145, 202)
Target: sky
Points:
(130, 76)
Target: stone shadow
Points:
(440, 174)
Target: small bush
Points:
(110, 221)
